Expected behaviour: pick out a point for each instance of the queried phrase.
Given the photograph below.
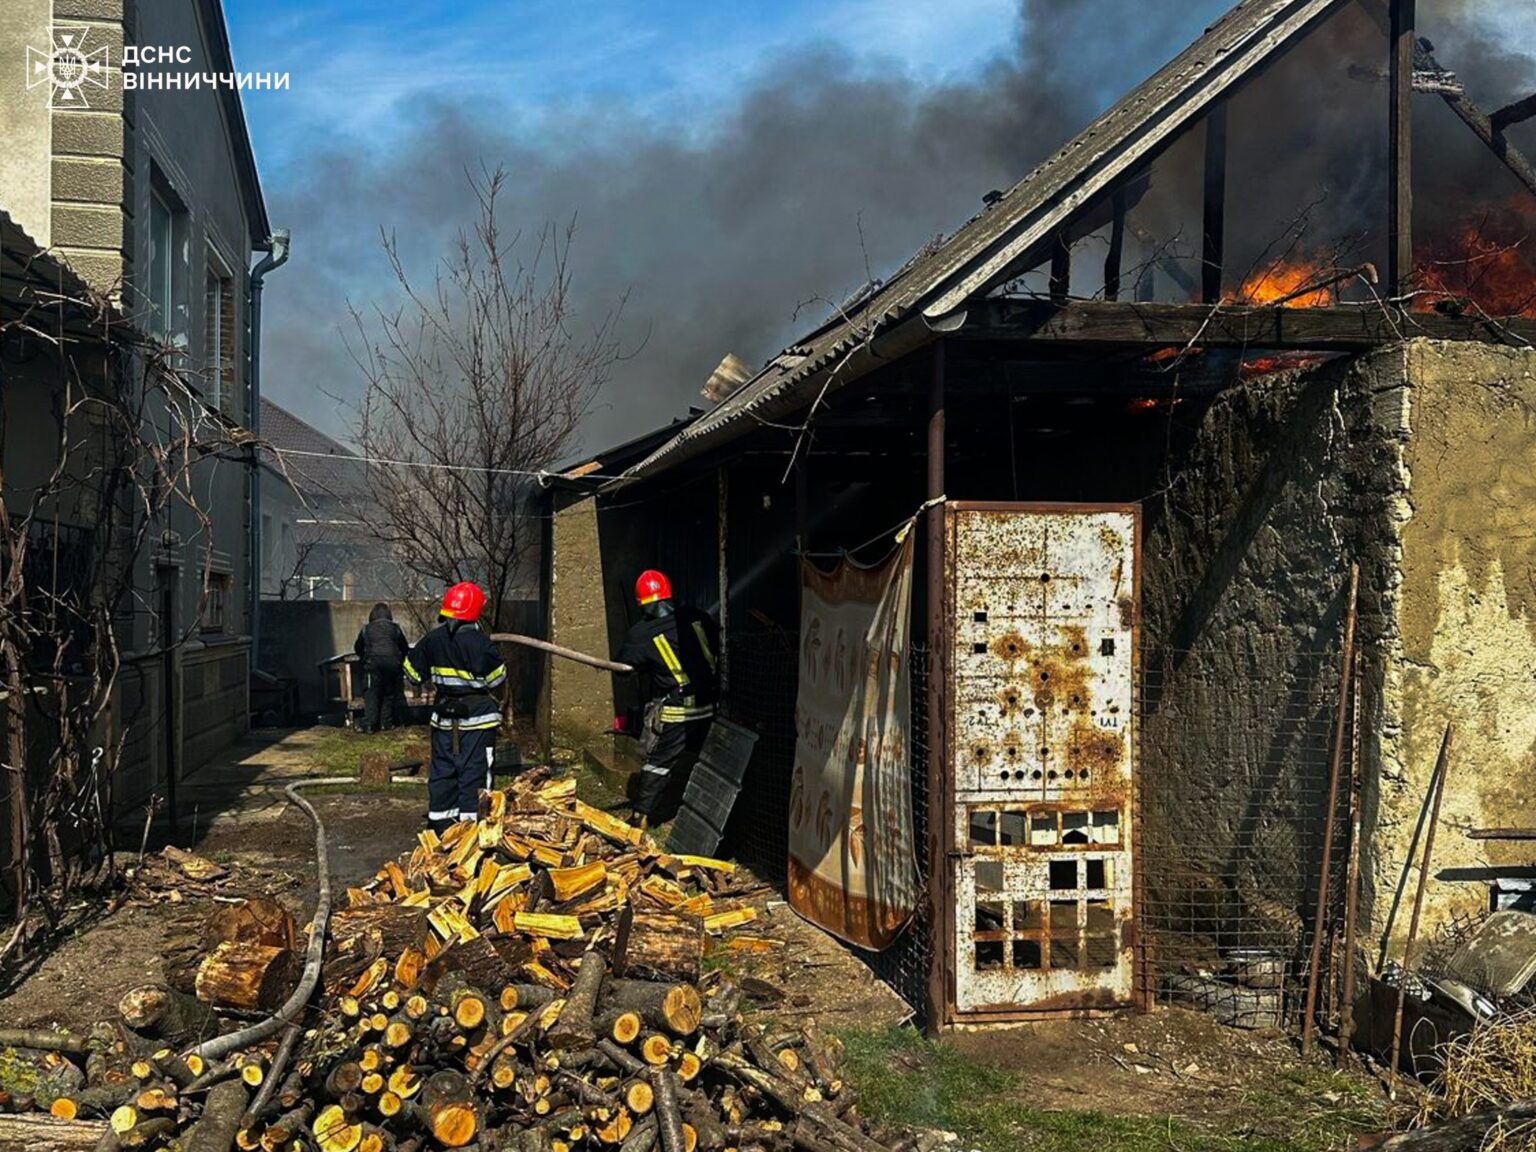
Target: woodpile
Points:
(532, 981)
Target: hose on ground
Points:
(292, 1008)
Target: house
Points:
(314, 543)
(1153, 402)
(149, 192)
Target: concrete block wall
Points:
(578, 701)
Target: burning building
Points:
(1155, 402)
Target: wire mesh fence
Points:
(1234, 772)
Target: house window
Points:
(216, 603)
(162, 265)
(219, 320)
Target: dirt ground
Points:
(1170, 1064)
(138, 939)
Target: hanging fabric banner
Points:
(852, 856)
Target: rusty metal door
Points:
(1042, 663)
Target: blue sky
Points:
(676, 61)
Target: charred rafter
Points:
(1337, 329)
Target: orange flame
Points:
(1289, 283)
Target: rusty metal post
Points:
(1346, 670)
(1351, 881)
(1437, 789)
(939, 815)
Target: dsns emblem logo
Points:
(69, 67)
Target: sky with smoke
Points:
(729, 167)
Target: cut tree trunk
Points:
(658, 946)
(448, 1102)
(37, 1133)
(165, 1014)
(675, 1007)
(1463, 1135)
(215, 1130)
(377, 930)
(255, 921)
(253, 977)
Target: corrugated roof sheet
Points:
(942, 276)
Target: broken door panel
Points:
(1043, 604)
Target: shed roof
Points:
(917, 302)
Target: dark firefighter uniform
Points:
(673, 649)
(466, 671)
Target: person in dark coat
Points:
(382, 648)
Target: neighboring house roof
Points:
(33, 279)
(914, 306)
(313, 461)
(234, 110)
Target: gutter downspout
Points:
(276, 257)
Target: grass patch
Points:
(903, 1079)
(340, 751)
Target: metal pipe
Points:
(1437, 787)
(276, 257)
(1346, 669)
(1351, 880)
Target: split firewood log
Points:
(253, 977)
(574, 1029)
(258, 920)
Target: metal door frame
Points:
(941, 809)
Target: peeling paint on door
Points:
(1043, 604)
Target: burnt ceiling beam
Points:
(1400, 148)
(1114, 259)
(1215, 227)
(1342, 328)
(1517, 113)
(1480, 122)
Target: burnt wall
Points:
(1244, 557)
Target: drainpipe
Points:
(276, 257)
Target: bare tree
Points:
(474, 387)
(117, 454)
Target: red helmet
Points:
(463, 601)
(652, 586)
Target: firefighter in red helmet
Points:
(673, 649)
(465, 671)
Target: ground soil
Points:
(1170, 1063)
(141, 937)
(1173, 1062)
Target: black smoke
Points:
(716, 237)
(825, 163)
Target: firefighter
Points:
(673, 648)
(465, 670)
